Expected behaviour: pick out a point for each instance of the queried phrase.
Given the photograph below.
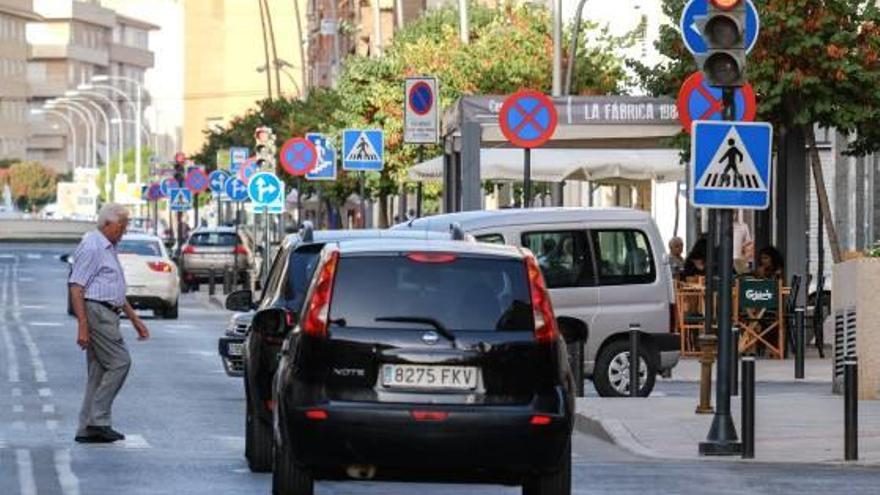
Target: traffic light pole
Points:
(722, 438)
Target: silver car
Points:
(217, 250)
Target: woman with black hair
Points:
(695, 263)
(770, 263)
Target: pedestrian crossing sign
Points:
(363, 149)
(181, 198)
(731, 164)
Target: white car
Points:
(151, 275)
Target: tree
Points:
(816, 62)
(31, 184)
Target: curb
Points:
(616, 433)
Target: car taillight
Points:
(545, 321)
(189, 249)
(429, 415)
(540, 420)
(432, 257)
(240, 250)
(159, 266)
(318, 306)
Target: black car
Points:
(285, 290)
(427, 361)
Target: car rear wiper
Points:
(421, 319)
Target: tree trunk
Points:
(822, 193)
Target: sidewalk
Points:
(794, 427)
(766, 370)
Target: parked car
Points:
(150, 274)
(217, 249)
(286, 286)
(426, 361)
(607, 270)
(231, 345)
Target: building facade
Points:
(14, 16)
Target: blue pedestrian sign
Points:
(235, 189)
(181, 198)
(325, 169)
(694, 13)
(264, 188)
(217, 181)
(731, 164)
(362, 149)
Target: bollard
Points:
(748, 406)
(634, 384)
(734, 364)
(800, 343)
(707, 357)
(850, 409)
(211, 282)
(576, 357)
(227, 282)
(234, 276)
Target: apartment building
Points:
(14, 16)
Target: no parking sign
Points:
(421, 121)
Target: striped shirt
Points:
(96, 269)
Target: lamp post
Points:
(70, 127)
(91, 128)
(283, 66)
(120, 142)
(73, 101)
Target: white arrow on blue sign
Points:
(181, 198)
(236, 189)
(325, 168)
(695, 11)
(363, 149)
(217, 181)
(264, 188)
(731, 164)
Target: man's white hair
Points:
(111, 213)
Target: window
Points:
(141, 248)
(213, 239)
(270, 291)
(564, 257)
(299, 273)
(624, 257)
(491, 238)
(463, 294)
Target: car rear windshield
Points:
(213, 239)
(299, 273)
(467, 294)
(141, 248)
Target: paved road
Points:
(183, 416)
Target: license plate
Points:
(234, 348)
(429, 377)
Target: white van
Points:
(607, 270)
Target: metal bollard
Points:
(227, 282)
(850, 409)
(707, 357)
(211, 282)
(800, 343)
(634, 384)
(734, 363)
(748, 406)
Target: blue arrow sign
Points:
(691, 32)
(731, 164)
(218, 180)
(235, 189)
(325, 169)
(181, 198)
(363, 149)
(264, 188)
(168, 184)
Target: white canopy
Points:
(555, 165)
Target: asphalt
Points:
(184, 417)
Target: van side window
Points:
(564, 257)
(490, 238)
(624, 257)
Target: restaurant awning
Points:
(556, 165)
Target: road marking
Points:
(34, 256)
(18, 408)
(25, 472)
(45, 392)
(25, 279)
(66, 478)
(33, 306)
(34, 351)
(8, 257)
(11, 354)
(49, 408)
(45, 324)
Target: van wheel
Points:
(611, 377)
(287, 477)
(558, 483)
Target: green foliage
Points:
(31, 184)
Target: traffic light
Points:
(264, 150)
(724, 64)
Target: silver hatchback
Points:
(217, 249)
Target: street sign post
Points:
(154, 191)
(264, 189)
(236, 189)
(247, 170)
(528, 119)
(197, 180)
(421, 115)
(298, 156)
(217, 181)
(690, 26)
(167, 184)
(237, 156)
(699, 101)
(731, 164)
(325, 167)
(363, 150)
(180, 199)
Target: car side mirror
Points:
(240, 300)
(274, 321)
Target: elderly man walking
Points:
(97, 294)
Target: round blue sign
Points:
(696, 10)
(264, 188)
(169, 183)
(218, 180)
(236, 189)
(421, 98)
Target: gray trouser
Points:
(108, 363)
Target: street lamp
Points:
(91, 127)
(71, 98)
(112, 104)
(70, 126)
(283, 66)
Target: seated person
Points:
(770, 263)
(695, 263)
